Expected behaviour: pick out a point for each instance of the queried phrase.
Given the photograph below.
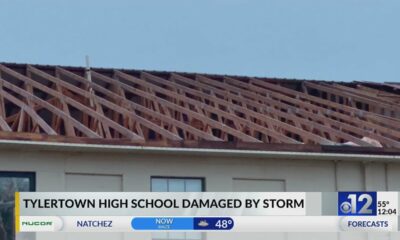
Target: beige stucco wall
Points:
(299, 175)
(135, 170)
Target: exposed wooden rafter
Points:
(139, 106)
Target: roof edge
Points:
(37, 139)
(275, 155)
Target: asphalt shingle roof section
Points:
(140, 107)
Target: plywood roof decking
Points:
(140, 107)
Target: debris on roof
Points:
(371, 141)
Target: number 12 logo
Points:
(357, 203)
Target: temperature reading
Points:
(213, 223)
(383, 204)
(386, 207)
(223, 224)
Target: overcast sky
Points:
(340, 40)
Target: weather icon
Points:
(203, 223)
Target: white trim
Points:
(22, 145)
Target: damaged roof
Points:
(119, 106)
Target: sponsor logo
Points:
(37, 223)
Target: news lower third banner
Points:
(207, 211)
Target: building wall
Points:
(73, 171)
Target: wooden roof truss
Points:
(145, 106)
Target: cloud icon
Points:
(203, 223)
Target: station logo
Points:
(357, 203)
